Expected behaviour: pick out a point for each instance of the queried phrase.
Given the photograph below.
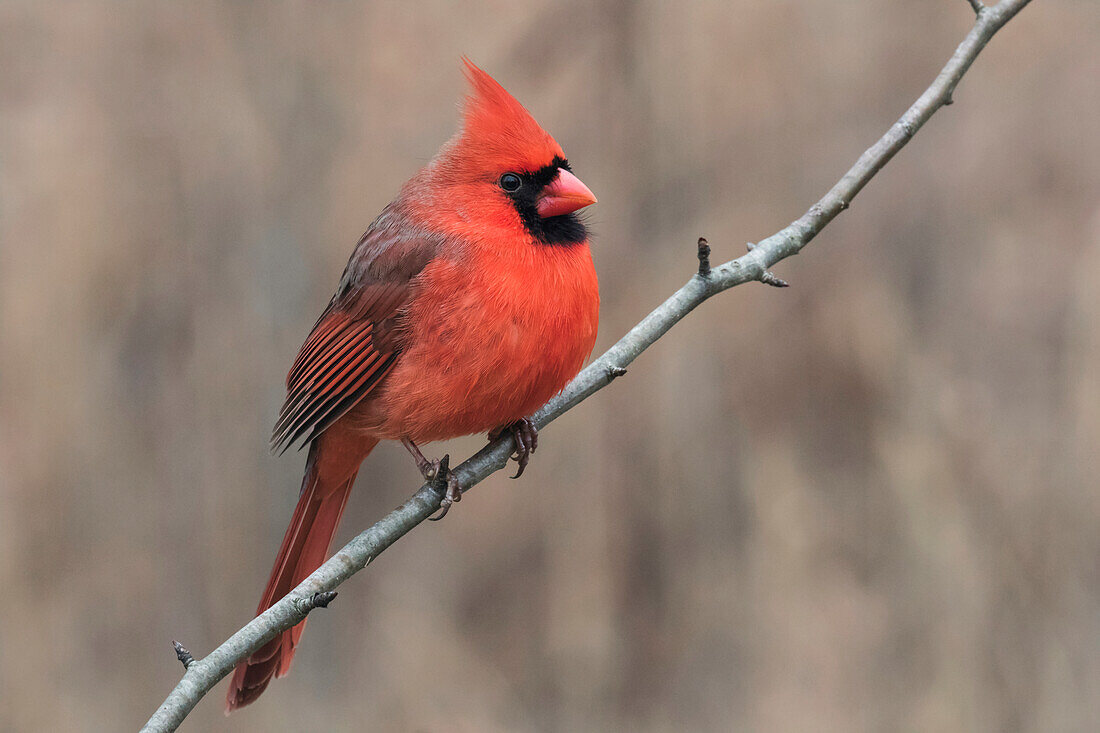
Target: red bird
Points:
(470, 301)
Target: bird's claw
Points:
(526, 436)
(438, 473)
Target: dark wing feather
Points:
(357, 340)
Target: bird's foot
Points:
(439, 475)
(444, 482)
(526, 436)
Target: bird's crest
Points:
(496, 127)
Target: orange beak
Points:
(564, 195)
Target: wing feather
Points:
(357, 340)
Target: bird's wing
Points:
(356, 341)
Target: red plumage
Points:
(470, 301)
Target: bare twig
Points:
(203, 674)
(768, 278)
(704, 258)
(317, 600)
(614, 372)
(182, 654)
(978, 6)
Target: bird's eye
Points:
(510, 182)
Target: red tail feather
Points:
(330, 473)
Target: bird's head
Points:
(503, 165)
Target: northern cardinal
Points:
(469, 302)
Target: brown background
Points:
(866, 503)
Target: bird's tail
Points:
(330, 473)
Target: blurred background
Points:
(866, 503)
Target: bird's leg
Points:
(526, 436)
(427, 468)
(438, 473)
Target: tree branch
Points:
(202, 674)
